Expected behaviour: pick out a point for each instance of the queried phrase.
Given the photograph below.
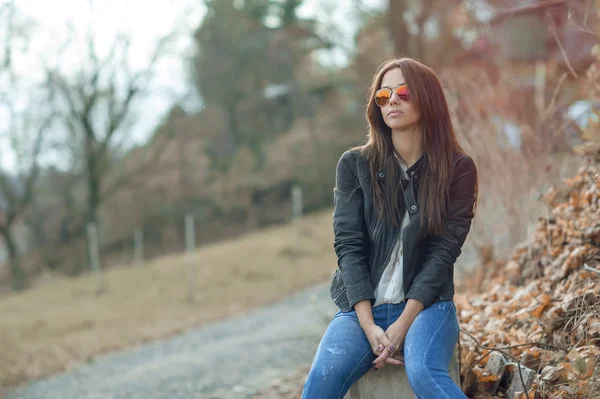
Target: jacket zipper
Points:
(387, 259)
(392, 246)
(401, 230)
(412, 192)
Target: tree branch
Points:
(57, 81)
(137, 83)
(529, 7)
(34, 170)
(560, 46)
(154, 158)
(18, 199)
(502, 351)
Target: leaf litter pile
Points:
(533, 328)
(530, 327)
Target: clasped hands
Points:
(387, 345)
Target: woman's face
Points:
(397, 113)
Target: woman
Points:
(404, 202)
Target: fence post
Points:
(94, 252)
(297, 207)
(540, 86)
(190, 245)
(296, 202)
(190, 234)
(138, 249)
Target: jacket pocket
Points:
(337, 287)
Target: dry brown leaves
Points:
(542, 308)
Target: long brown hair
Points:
(439, 144)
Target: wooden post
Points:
(540, 86)
(297, 208)
(138, 247)
(190, 234)
(94, 251)
(539, 94)
(296, 202)
(190, 245)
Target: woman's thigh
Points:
(432, 336)
(430, 343)
(343, 356)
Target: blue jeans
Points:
(344, 354)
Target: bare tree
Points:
(17, 189)
(7, 11)
(23, 127)
(96, 108)
(409, 22)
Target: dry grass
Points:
(513, 178)
(65, 322)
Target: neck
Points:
(408, 144)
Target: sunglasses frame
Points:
(392, 92)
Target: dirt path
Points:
(229, 359)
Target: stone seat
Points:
(391, 382)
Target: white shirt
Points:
(391, 288)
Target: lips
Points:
(395, 113)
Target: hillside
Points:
(65, 322)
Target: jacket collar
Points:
(414, 167)
(410, 171)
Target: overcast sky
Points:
(147, 21)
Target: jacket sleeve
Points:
(443, 250)
(350, 231)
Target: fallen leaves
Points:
(553, 374)
(540, 311)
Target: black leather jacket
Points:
(363, 242)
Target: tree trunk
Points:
(93, 199)
(233, 129)
(398, 30)
(17, 273)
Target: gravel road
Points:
(230, 359)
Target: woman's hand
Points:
(377, 338)
(396, 333)
(393, 354)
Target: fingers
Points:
(394, 361)
(377, 349)
(387, 343)
(384, 349)
(397, 359)
(380, 361)
(386, 357)
(388, 350)
(399, 356)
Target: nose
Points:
(394, 99)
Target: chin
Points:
(398, 126)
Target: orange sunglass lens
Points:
(382, 96)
